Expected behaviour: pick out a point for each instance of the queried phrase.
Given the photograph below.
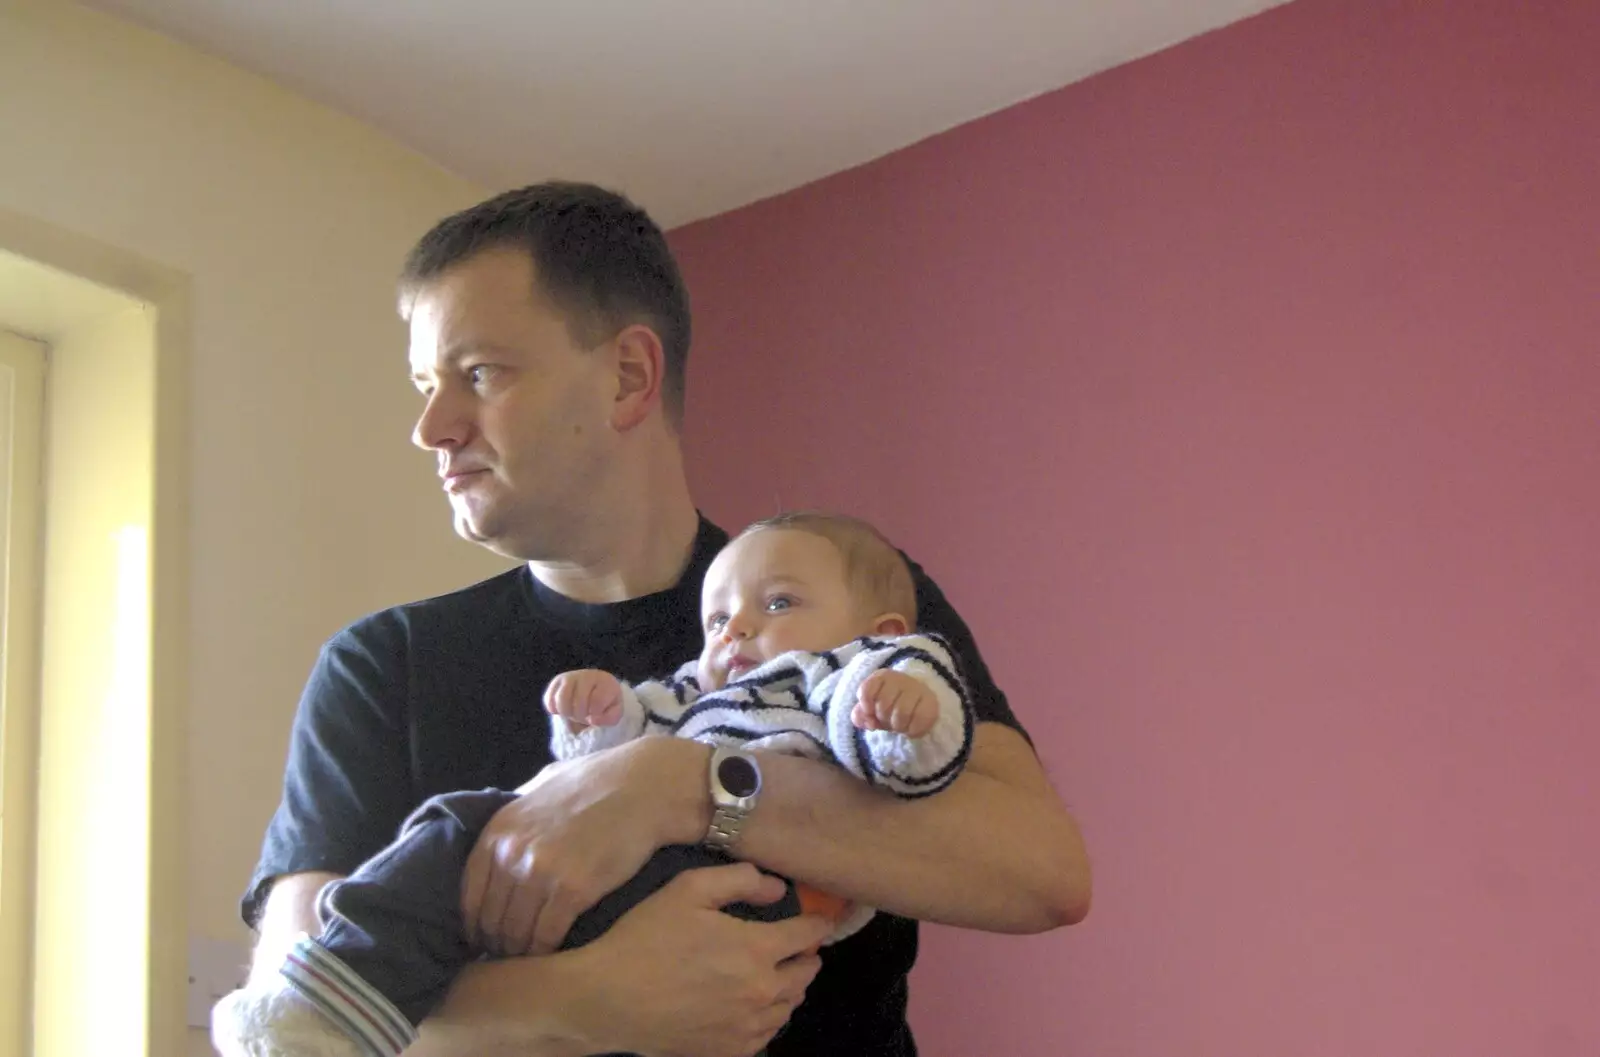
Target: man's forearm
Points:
(995, 851)
(511, 1008)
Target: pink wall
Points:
(1246, 399)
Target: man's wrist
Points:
(575, 1027)
(680, 792)
(531, 1007)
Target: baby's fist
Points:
(897, 702)
(587, 697)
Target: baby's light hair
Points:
(878, 575)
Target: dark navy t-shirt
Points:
(445, 694)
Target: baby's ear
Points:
(890, 624)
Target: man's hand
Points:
(587, 697)
(895, 701)
(676, 977)
(580, 829)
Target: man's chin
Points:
(486, 536)
(471, 532)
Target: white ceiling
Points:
(692, 106)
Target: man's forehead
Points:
(445, 329)
(426, 355)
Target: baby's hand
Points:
(584, 698)
(895, 701)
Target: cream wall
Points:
(308, 507)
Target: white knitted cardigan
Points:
(800, 703)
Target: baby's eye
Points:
(779, 603)
(716, 622)
(480, 374)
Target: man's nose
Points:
(442, 424)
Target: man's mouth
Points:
(457, 480)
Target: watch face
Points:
(738, 776)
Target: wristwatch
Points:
(735, 785)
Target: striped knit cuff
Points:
(351, 1003)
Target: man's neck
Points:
(635, 557)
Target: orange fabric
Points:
(825, 904)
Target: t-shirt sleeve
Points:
(937, 615)
(347, 785)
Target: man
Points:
(549, 333)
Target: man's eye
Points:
(779, 604)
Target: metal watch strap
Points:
(725, 826)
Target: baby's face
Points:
(770, 592)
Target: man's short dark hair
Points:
(598, 258)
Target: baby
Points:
(809, 649)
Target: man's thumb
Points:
(714, 887)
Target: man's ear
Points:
(890, 624)
(641, 365)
